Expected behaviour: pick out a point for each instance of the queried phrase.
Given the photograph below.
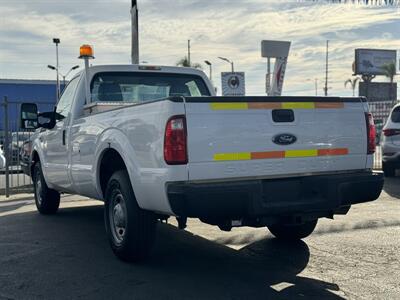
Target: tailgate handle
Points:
(283, 115)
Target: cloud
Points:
(232, 29)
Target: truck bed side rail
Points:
(255, 99)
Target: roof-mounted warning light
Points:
(86, 51)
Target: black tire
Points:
(388, 170)
(131, 230)
(47, 200)
(293, 232)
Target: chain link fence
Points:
(15, 144)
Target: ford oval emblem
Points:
(284, 139)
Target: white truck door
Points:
(57, 158)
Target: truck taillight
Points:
(371, 133)
(175, 141)
(391, 132)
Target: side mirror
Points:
(29, 116)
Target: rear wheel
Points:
(130, 229)
(47, 200)
(293, 232)
(388, 170)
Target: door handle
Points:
(63, 137)
(283, 115)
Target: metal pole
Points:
(268, 83)
(135, 32)
(316, 86)
(233, 68)
(189, 61)
(87, 87)
(210, 72)
(58, 77)
(326, 68)
(6, 146)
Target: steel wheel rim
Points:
(117, 216)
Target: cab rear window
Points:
(396, 115)
(138, 87)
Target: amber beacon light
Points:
(86, 51)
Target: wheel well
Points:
(35, 159)
(110, 163)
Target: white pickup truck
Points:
(154, 142)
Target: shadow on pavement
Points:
(67, 256)
(392, 186)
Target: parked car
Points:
(154, 142)
(2, 158)
(390, 143)
(17, 139)
(24, 157)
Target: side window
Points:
(396, 115)
(64, 105)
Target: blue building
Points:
(41, 92)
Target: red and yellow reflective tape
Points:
(280, 154)
(275, 105)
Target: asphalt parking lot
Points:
(67, 256)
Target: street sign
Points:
(278, 50)
(233, 84)
(370, 61)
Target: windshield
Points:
(140, 87)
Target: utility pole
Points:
(326, 69)
(135, 32)
(189, 61)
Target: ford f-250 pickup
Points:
(153, 142)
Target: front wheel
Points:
(293, 232)
(130, 229)
(47, 200)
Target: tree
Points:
(353, 83)
(390, 71)
(184, 62)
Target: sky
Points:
(229, 28)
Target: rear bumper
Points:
(319, 195)
(391, 153)
(393, 158)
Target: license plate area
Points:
(281, 191)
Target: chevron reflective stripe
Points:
(275, 105)
(280, 154)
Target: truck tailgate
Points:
(265, 137)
